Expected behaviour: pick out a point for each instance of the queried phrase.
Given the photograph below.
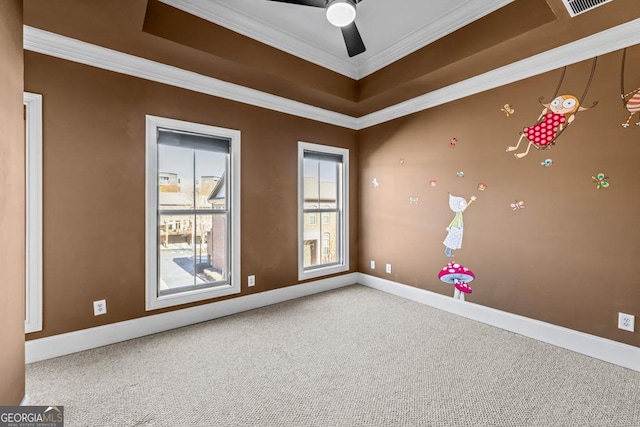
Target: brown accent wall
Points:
(12, 205)
(94, 191)
(567, 258)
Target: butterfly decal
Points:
(507, 110)
(375, 182)
(517, 204)
(453, 141)
(401, 162)
(482, 186)
(413, 200)
(460, 174)
(600, 180)
(433, 182)
(547, 163)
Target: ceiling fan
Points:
(341, 13)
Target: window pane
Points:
(311, 186)
(175, 178)
(311, 240)
(321, 240)
(330, 239)
(193, 250)
(211, 248)
(210, 186)
(176, 252)
(328, 184)
(321, 183)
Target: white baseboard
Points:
(590, 345)
(72, 342)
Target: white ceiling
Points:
(390, 29)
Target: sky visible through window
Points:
(180, 161)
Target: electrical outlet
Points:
(626, 321)
(251, 281)
(99, 307)
(373, 265)
(388, 269)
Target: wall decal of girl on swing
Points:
(555, 117)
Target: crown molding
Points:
(58, 46)
(433, 30)
(607, 41)
(257, 29)
(597, 44)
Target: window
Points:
(322, 191)
(193, 212)
(326, 245)
(33, 139)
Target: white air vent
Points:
(576, 7)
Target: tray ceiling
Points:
(390, 29)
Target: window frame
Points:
(33, 266)
(155, 301)
(342, 208)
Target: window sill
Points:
(322, 271)
(156, 302)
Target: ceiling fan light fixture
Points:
(341, 12)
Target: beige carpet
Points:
(349, 357)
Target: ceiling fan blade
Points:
(352, 39)
(314, 3)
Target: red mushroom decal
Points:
(459, 276)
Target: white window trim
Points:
(153, 301)
(344, 235)
(33, 138)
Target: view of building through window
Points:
(192, 212)
(321, 190)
